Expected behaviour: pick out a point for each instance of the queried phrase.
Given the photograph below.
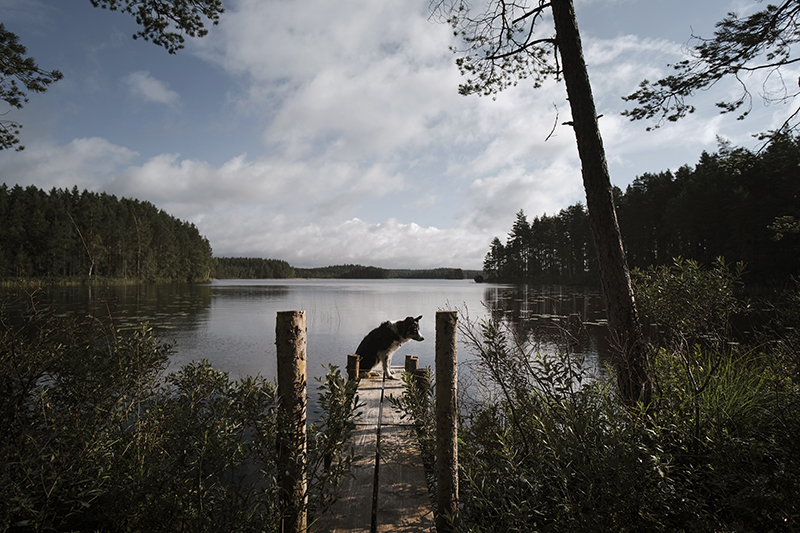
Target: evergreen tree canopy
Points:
(735, 204)
(67, 233)
(251, 268)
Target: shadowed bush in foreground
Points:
(548, 446)
(96, 438)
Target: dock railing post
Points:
(412, 364)
(290, 340)
(353, 363)
(446, 422)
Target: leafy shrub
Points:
(549, 446)
(688, 300)
(97, 438)
(417, 403)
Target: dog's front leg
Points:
(387, 371)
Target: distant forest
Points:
(257, 268)
(736, 204)
(68, 234)
(72, 234)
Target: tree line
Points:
(258, 268)
(71, 234)
(251, 268)
(736, 204)
(371, 272)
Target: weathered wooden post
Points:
(353, 363)
(412, 364)
(446, 421)
(290, 340)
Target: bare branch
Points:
(555, 124)
(502, 43)
(761, 42)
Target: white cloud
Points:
(359, 147)
(321, 187)
(388, 244)
(143, 85)
(86, 163)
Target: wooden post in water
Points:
(290, 340)
(446, 422)
(353, 363)
(412, 364)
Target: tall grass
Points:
(549, 445)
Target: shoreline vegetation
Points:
(735, 204)
(92, 419)
(257, 268)
(547, 444)
(69, 237)
(330, 272)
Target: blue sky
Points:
(324, 132)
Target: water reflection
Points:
(553, 318)
(231, 323)
(166, 306)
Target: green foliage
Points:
(371, 272)
(549, 446)
(14, 67)
(550, 249)
(257, 268)
(733, 204)
(72, 234)
(417, 404)
(344, 272)
(328, 461)
(96, 438)
(784, 226)
(165, 23)
(251, 268)
(501, 44)
(687, 300)
(741, 46)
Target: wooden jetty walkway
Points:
(403, 503)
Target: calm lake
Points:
(231, 323)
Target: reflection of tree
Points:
(551, 316)
(167, 306)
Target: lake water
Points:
(231, 323)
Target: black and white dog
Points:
(380, 344)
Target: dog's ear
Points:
(417, 319)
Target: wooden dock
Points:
(403, 503)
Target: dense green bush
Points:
(96, 438)
(688, 302)
(547, 445)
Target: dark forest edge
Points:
(71, 237)
(257, 268)
(735, 204)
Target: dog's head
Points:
(409, 328)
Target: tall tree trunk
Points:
(630, 357)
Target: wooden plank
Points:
(403, 501)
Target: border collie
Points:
(381, 343)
